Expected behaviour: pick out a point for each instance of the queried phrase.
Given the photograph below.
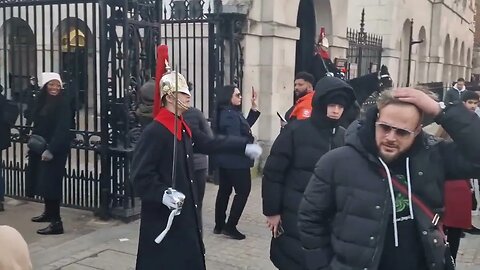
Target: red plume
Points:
(162, 56)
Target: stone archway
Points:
(17, 56)
(455, 61)
(73, 57)
(462, 60)
(422, 57)
(311, 11)
(446, 75)
(404, 46)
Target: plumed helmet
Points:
(169, 81)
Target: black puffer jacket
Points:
(343, 216)
(289, 167)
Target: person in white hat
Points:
(165, 189)
(46, 161)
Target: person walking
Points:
(376, 202)
(163, 178)
(197, 123)
(49, 148)
(234, 169)
(290, 165)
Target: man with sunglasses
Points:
(375, 203)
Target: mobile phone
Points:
(281, 117)
(280, 231)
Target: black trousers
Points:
(453, 236)
(201, 178)
(241, 181)
(52, 209)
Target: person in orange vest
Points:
(302, 109)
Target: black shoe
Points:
(42, 218)
(217, 229)
(473, 230)
(233, 233)
(55, 227)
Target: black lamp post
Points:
(411, 43)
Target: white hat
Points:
(168, 81)
(45, 77)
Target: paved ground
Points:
(90, 244)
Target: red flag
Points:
(162, 56)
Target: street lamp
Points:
(411, 43)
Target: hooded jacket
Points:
(289, 168)
(454, 94)
(344, 215)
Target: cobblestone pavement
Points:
(91, 244)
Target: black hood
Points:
(326, 89)
(361, 136)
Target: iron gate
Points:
(105, 50)
(364, 52)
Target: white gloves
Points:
(173, 199)
(253, 151)
(47, 155)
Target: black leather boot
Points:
(218, 229)
(44, 217)
(55, 227)
(233, 233)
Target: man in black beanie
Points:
(290, 165)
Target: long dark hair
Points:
(223, 98)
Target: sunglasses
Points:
(400, 132)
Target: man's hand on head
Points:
(418, 98)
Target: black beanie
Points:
(339, 97)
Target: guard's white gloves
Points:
(253, 151)
(173, 199)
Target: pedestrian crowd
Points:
(394, 190)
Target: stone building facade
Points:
(446, 28)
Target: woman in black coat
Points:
(4, 143)
(234, 169)
(51, 120)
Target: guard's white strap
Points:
(169, 224)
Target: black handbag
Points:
(37, 144)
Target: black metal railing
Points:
(105, 51)
(364, 52)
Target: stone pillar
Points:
(269, 50)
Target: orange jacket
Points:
(303, 107)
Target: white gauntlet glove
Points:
(173, 199)
(253, 151)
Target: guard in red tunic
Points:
(162, 174)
